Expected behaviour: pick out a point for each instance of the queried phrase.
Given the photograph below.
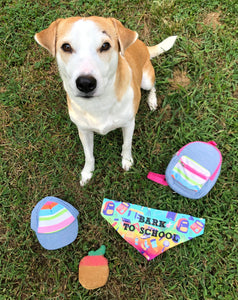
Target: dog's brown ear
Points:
(126, 37)
(47, 37)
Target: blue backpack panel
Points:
(193, 170)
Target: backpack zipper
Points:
(212, 143)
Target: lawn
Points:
(41, 154)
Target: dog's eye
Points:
(105, 46)
(67, 48)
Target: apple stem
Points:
(100, 251)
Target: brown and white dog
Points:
(103, 66)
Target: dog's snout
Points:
(86, 84)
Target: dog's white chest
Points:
(103, 114)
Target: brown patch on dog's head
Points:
(47, 37)
(126, 37)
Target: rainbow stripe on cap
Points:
(54, 217)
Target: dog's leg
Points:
(86, 138)
(127, 160)
(148, 81)
(152, 99)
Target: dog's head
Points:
(87, 52)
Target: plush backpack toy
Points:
(193, 170)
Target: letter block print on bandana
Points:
(149, 230)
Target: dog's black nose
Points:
(86, 84)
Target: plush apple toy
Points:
(93, 269)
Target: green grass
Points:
(41, 154)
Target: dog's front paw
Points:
(85, 177)
(127, 163)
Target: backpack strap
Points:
(159, 178)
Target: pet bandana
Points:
(149, 230)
